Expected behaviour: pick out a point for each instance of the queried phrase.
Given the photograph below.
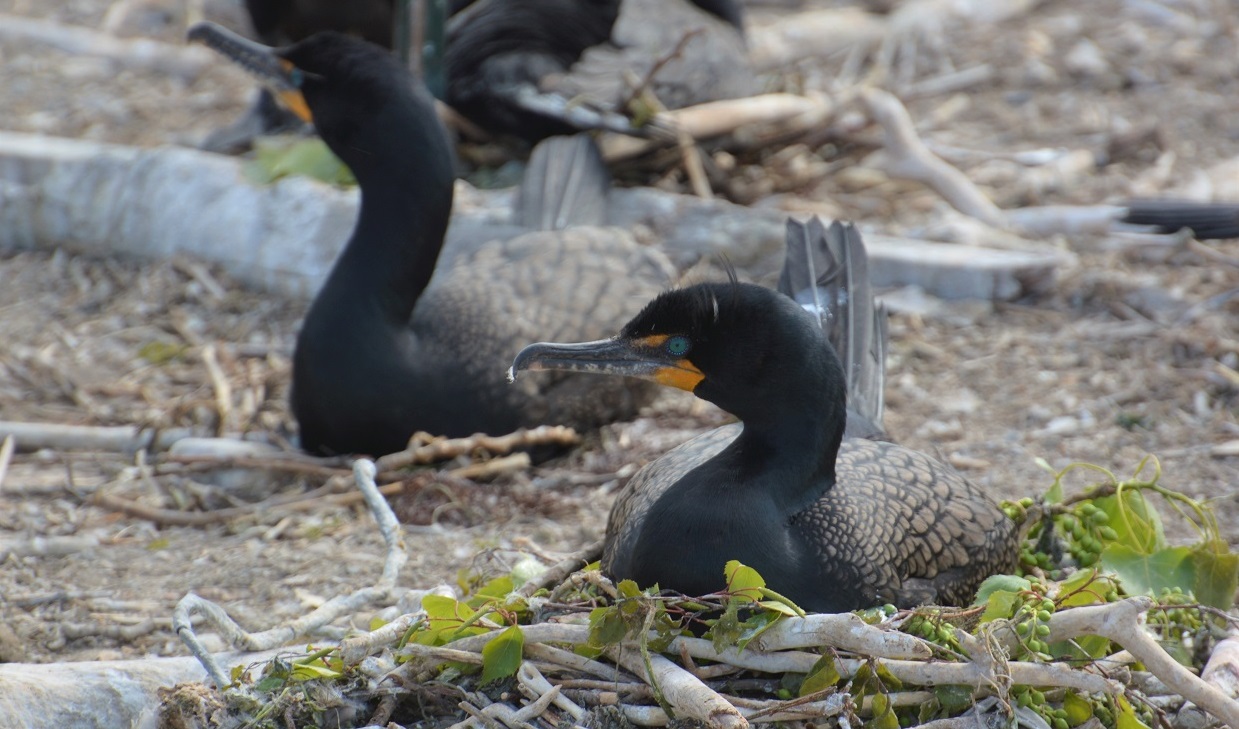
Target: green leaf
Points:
(1144, 573)
(269, 684)
(757, 624)
(782, 603)
(1217, 574)
(280, 157)
(743, 582)
(1001, 605)
(492, 592)
(310, 671)
(883, 714)
(628, 588)
(606, 627)
(888, 679)
(1079, 710)
(161, 353)
(1085, 587)
(1126, 717)
(1135, 521)
(1055, 493)
(954, 699)
(823, 675)
(726, 630)
(780, 607)
(447, 619)
(999, 583)
(501, 656)
(1082, 648)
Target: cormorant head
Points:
(751, 351)
(360, 98)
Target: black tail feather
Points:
(1205, 220)
(565, 184)
(827, 272)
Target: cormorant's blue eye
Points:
(679, 345)
(295, 78)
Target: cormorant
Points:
(516, 67)
(534, 68)
(834, 523)
(385, 350)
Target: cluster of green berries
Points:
(1032, 622)
(1086, 530)
(933, 628)
(1176, 623)
(1101, 710)
(1030, 698)
(1017, 511)
(877, 615)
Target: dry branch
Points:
(718, 118)
(906, 156)
(1120, 623)
(385, 588)
(119, 439)
(184, 62)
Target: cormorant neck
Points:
(789, 442)
(389, 260)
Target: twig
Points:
(716, 118)
(532, 680)
(558, 572)
(219, 384)
(1119, 622)
(186, 62)
(385, 588)
(682, 690)
(909, 158)
(120, 439)
(290, 502)
(641, 87)
(425, 448)
(6, 456)
(845, 631)
(47, 547)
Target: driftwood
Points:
(107, 199)
(822, 33)
(185, 62)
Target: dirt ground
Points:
(1133, 352)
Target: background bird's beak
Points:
(608, 357)
(274, 72)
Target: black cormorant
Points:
(834, 523)
(534, 68)
(385, 350)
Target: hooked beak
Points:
(608, 357)
(274, 72)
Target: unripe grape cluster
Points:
(1032, 621)
(932, 627)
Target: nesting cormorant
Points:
(534, 68)
(385, 350)
(833, 523)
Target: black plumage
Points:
(534, 68)
(1206, 220)
(833, 523)
(279, 22)
(385, 349)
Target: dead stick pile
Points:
(560, 671)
